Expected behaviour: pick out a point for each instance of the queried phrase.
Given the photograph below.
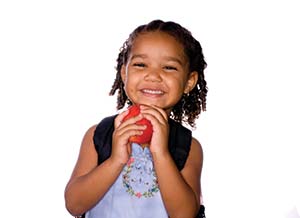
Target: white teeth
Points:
(154, 92)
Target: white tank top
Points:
(135, 193)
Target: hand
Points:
(159, 120)
(121, 148)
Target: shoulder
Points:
(91, 130)
(96, 132)
(87, 144)
(195, 157)
(96, 129)
(88, 136)
(196, 147)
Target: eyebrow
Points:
(169, 58)
(175, 60)
(138, 56)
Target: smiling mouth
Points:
(152, 91)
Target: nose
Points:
(153, 75)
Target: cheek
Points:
(177, 83)
(129, 84)
(128, 80)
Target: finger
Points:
(131, 128)
(119, 118)
(131, 120)
(156, 112)
(162, 112)
(125, 136)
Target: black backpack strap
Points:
(103, 138)
(180, 139)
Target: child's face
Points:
(157, 72)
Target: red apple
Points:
(145, 138)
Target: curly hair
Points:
(190, 105)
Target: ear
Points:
(123, 73)
(191, 82)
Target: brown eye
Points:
(140, 65)
(170, 68)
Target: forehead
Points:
(158, 42)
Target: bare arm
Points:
(180, 190)
(90, 182)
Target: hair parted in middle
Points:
(190, 105)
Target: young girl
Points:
(160, 68)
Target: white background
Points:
(57, 62)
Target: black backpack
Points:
(180, 139)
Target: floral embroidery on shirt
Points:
(138, 175)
